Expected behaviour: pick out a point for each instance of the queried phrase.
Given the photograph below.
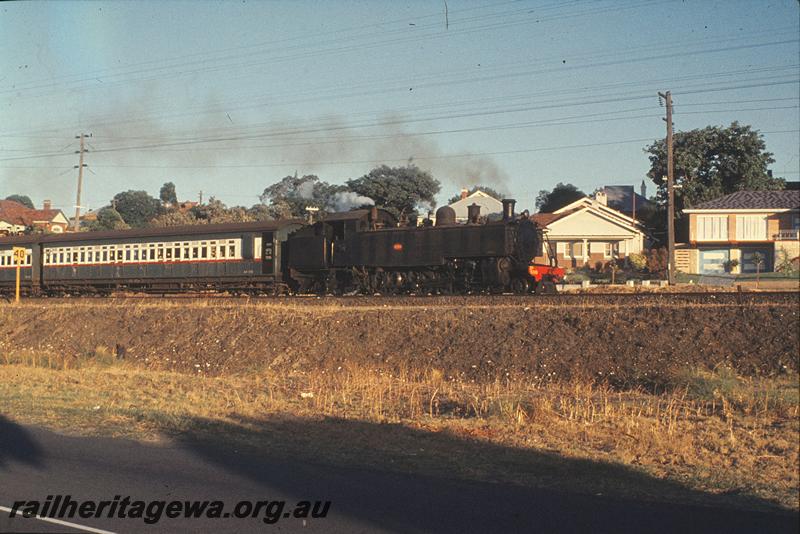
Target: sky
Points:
(229, 97)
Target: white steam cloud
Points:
(347, 200)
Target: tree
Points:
(168, 195)
(216, 212)
(398, 189)
(561, 195)
(137, 208)
(290, 197)
(108, 219)
(22, 199)
(488, 190)
(174, 218)
(712, 162)
(260, 212)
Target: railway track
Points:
(634, 298)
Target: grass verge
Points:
(712, 437)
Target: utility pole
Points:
(200, 197)
(670, 192)
(80, 167)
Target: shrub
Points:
(637, 261)
(730, 265)
(657, 261)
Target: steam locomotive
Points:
(357, 252)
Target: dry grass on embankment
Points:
(721, 427)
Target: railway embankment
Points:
(624, 342)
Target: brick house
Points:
(587, 232)
(16, 218)
(736, 227)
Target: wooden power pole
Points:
(670, 192)
(79, 166)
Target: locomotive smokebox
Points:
(473, 213)
(508, 208)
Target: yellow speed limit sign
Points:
(19, 259)
(19, 254)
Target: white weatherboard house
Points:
(587, 231)
(489, 205)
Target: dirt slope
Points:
(625, 344)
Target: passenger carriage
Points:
(238, 257)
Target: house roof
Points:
(547, 219)
(598, 206)
(488, 204)
(543, 219)
(620, 197)
(753, 200)
(16, 213)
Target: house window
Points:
(712, 228)
(751, 227)
(597, 247)
(611, 250)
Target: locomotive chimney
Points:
(508, 208)
(464, 193)
(473, 213)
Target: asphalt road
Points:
(35, 463)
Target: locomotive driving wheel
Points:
(520, 286)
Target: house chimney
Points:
(464, 193)
(601, 197)
(644, 189)
(47, 205)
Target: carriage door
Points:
(267, 254)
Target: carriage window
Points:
(194, 252)
(177, 252)
(222, 251)
(168, 254)
(160, 254)
(127, 255)
(232, 251)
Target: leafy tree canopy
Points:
(292, 195)
(561, 195)
(398, 189)
(108, 219)
(488, 190)
(22, 199)
(712, 162)
(137, 208)
(168, 195)
(214, 212)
